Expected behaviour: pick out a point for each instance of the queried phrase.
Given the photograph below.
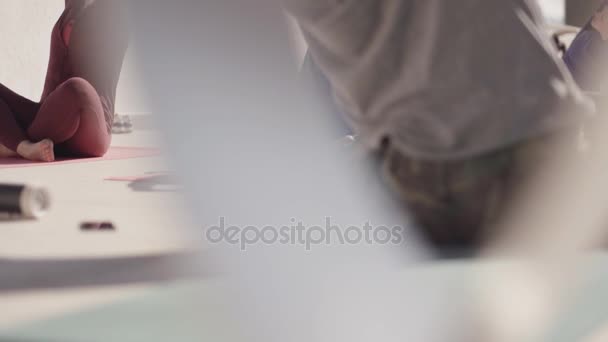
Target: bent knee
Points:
(89, 148)
(85, 104)
(78, 85)
(99, 150)
(82, 93)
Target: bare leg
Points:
(72, 116)
(40, 151)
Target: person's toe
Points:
(47, 151)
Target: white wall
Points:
(25, 28)
(554, 10)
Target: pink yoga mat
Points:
(115, 153)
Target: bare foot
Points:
(5, 152)
(40, 151)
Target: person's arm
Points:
(346, 39)
(342, 29)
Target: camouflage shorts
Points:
(455, 203)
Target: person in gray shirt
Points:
(449, 93)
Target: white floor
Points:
(146, 223)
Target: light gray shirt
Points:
(442, 79)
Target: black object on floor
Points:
(97, 226)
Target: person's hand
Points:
(66, 34)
